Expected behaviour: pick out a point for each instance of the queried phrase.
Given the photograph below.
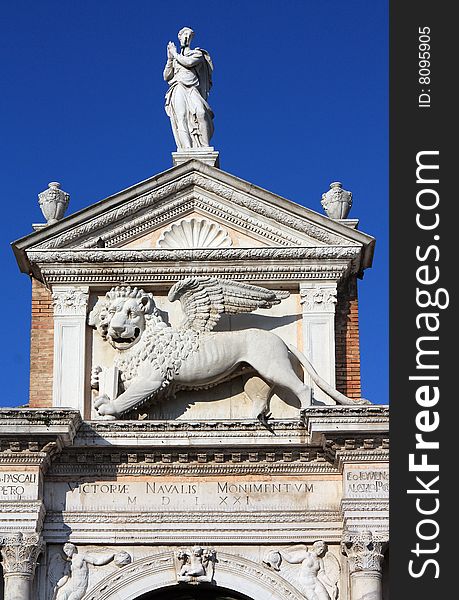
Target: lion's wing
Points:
(204, 299)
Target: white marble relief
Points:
(194, 233)
(151, 355)
(73, 582)
(319, 573)
(197, 565)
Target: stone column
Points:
(365, 558)
(318, 301)
(70, 308)
(19, 554)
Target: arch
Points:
(157, 571)
(194, 592)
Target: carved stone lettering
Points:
(18, 486)
(366, 483)
(191, 495)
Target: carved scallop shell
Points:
(194, 233)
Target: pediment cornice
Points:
(193, 186)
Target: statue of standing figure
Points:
(74, 583)
(189, 75)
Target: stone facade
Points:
(188, 492)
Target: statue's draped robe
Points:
(191, 83)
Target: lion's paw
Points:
(100, 401)
(105, 408)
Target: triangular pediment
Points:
(186, 202)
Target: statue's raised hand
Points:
(171, 50)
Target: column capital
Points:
(70, 300)
(318, 297)
(364, 551)
(20, 552)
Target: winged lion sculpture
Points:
(152, 355)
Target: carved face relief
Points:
(120, 316)
(185, 36)
(125, 322)
(69, 549)
(320, 548)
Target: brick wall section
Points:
(347, 349)
(41, 347)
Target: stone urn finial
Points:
(337, 202)
(53, 202)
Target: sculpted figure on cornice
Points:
(151, 356)
(198, 565)
(189, 75)
(319, 572)
(73, 583)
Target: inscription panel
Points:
(18, 485)
(366, 482)
(205, 494)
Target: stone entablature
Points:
(106, 486)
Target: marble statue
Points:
(198, 565)
(189, 75)
(74, 583)
(315, 580)
(151, 355)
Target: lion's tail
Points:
(321, 383)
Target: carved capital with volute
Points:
(364, 551)
(20, 552)
(70, 300)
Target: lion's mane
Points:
(164, 348)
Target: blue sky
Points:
(300, 97)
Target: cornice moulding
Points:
(163, 434)
(35, 422)
(193, 176)
(148, 516)
(167, 274)
(194, 469)
(110, 255)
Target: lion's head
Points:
(120, 317)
